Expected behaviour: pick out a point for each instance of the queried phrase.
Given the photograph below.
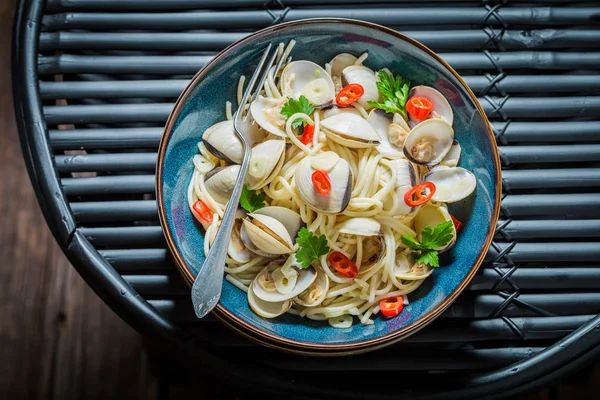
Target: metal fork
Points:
(206, 290)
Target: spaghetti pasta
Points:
(361, 212)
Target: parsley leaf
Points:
(251, 200)
(431, 238)
(311, 247)
(429, 257)
(394, 92)
(294, 106)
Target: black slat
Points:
(550, 178)
(106, 162)
(259, 18)
(158, 112)
(125, 236)
(172, 65)
(538, 229)
(549, 154)
(551, 252)
(122, 138)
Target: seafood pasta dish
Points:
(345, 205)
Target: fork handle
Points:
(207, 286)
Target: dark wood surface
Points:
(58, 340)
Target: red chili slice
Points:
(342, 264)
(457, 223)
(419, 107)
(308, 134)
(349, 94)
(392, 306)
(419, 194)
(321, 181)
(202, 212)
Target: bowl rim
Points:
(291, 345)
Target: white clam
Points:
(451, 159)
(290, 219)
(367, 79)
(360, 226)
(406, 269)
(441, 107)
(305, 78)
(392, 131)
(429, 142)
(222, 142)
(266, 309)
(334, 110)
(341, 185)
(406, 177)
(266, 112)
(266, 161)
(451, 183)
(236, 249)
(305, 278)
(340, 62)
(220, 181)
(432, 215)
(316, 292)
(268, 234)
(350, 130)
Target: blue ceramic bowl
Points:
(202, 104)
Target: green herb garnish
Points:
(394, 93)
(311, 247)
(293, 106)
(251, 200)
(431, 238)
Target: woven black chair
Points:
(94, 81)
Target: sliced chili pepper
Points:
(457, 223)
(419, 194)
(419, 107)
(349, 94)
(308, 134)
(342, 264)
(202, 212)
(392, 306)
(321, 181)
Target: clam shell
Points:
(316, 292)
(266, 309)
(266, 161)
(340, 62)
(406, 269)
(268, 234)
(451, 183)
(305, 278)
(360, 226)
(222, 142)
(334, 110)
(451, 159)
(236, 249)
(305, 78)
(429, 142)
(266, 113)
(350, 130)
(290, 219)
(431, 215)
(220, 181)
(367, 79)
(341, 187)
(440, 104)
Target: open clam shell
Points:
(451, 183)
(316, 292)
(290, 219)
(266, 112)
(429, 142)
(220, 181)
(268, 234)
(266, 161)
(367, 79)
(304, 279)
(305, 78)
(341, 185)
(350, 130)
(236, 249)
(431, 215)
(340, 62)
(407, 270)
(222, 142)
(360, 226)
(441, 107)
(266, 309)
(334, 110)
(373, 245)
(451, 159)
(406, 177)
